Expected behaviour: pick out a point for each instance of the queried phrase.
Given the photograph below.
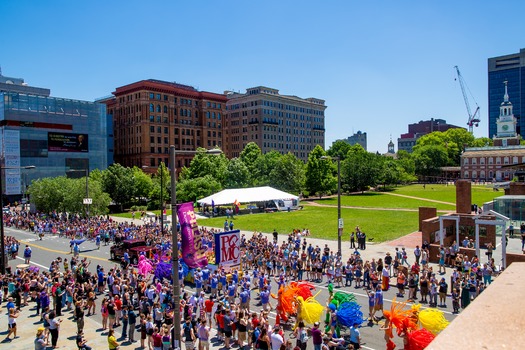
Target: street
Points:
(51, 247)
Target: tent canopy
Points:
(246, 195)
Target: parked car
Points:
(135, 248)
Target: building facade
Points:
(151, 115)
(53, 134)
(493, 163)
(275, 122)
(357, 138)
(407, 141)
(510, 68)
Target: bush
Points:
(138, 208)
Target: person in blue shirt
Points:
(222, 283)
(245, 299)
(265, 299)
(355, 336)
(97, 240)
(214, 282)
(197, 279)
(205, 278)
(232, 292)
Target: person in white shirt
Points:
(276, 339)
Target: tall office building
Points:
(357, 138)
(275, 122)
(53, 134)
(510, 68)
(151, 115)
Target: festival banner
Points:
(193, 251)
(228, 249)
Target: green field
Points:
(382, 225)
(322, 222)
(480, 194)
(383, 200)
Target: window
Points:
(151, 107)
(158, 108)
(165, 109)
(498, 160)
(491, 160)
(152, 129)
(166, 130)
(465, 161)
(152, 139)
(514, 160)
(151, 118)
(482, 160)
(158, 96)
(506, 160)
(474, 174)
(159, 129)
(151, 95)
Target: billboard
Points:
(228, 249)
(62, 142)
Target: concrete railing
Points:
(494, 320)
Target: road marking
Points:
(32, 263)
(64, 252)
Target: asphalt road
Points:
(44, 251)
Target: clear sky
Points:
(379, 65)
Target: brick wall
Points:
(463, 197)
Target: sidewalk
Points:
(28, 323)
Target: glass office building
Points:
(510, 68)
(55, 135)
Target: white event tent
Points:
(247, 195)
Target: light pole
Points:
(175, 240)
(339, 219)
(3, 263)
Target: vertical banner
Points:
(11, 153)
(193, 251)
(228, 249)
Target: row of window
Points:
(490, 160)
(474, 175)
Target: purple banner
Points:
(193, 251)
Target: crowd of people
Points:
(141, 307)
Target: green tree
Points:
(63, 194)
(288, 174)
(161, 178)
(142, 183)
(117, 181)
(339, 149)
(264, 165)
(429, 159)
(194, 189)
(319, 173)
(360, 170)
(204, 164)
(249, 156)
(237, 175)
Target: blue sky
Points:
(379, 65)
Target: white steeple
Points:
(506, 123)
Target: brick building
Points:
(151, 115)
(406, 141)
(275, 122)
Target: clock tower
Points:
(506, 123)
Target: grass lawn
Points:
(322, 222)
(480, 194)
(382, 200)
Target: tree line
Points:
(208, 174)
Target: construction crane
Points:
(473, 119)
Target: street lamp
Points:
(3, 263)
(339, 219)
(174, 239)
